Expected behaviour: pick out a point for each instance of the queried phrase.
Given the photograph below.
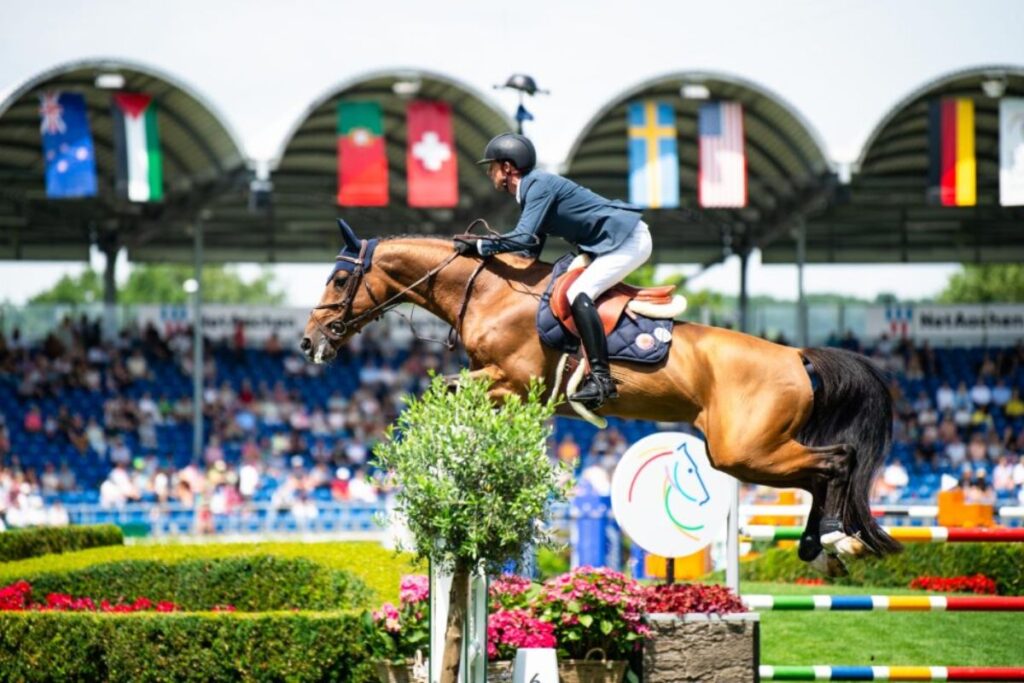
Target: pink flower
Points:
(509, 630)
(388, 615)
(414, 588)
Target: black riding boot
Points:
(598, 387)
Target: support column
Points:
(110, 250)
(744, 319)
(803, 332)
(197, 343)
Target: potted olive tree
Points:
(474, 483)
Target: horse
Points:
(818, 419)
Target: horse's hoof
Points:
(829, 565)
(839, 543)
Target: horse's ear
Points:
(351, 241)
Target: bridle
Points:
(336, 330)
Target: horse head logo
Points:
(687, 480)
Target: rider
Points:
(609, 231)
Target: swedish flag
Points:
(653, 155)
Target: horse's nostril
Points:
(306, 344)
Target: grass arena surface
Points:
(885, 638)
(787, 638)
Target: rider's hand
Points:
(465, 247)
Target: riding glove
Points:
(465, 247)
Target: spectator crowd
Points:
(108, 422)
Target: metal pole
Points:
(110, 290)
(519, 121)
(732, 540)
(744, 259)
(197, 344)
(801, 258)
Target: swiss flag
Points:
(430, 157)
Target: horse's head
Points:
(348, 301)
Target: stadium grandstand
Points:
(98, 414)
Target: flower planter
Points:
(411, 671)
(591, 670)
(702, 647)
(499, 672)
(393, 673)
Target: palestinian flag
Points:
(952, 169)
(140, 175)
(362, 162)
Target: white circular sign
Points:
(666, 495)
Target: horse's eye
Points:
(339, 281)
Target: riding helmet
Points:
(511, 147)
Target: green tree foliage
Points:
(474, 484)
(984, 284)
(473, 480)
(80, 289)
(162, 284)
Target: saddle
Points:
(659, 303)
(637, 322)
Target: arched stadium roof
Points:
(885, 213)
(203, 163)
(305, 171)
(789, 173)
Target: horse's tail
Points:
(852, 406)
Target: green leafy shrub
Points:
(19, 544)
(185, 647)
(380, 569)
(1000, 561)
(474, 484)
(251, 584)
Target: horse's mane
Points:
(515, 260)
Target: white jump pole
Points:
(473, 661)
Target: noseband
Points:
(337, 330)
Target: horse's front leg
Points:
(492, 373)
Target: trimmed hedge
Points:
(255, 583)
(381, 570)
(184, 647)
(20, 544)
(1003, 562)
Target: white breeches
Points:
(609, 269)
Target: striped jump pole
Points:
(890, 673)
(906, 534)
(881, 603)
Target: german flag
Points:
(952, 172)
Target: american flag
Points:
(52, 113)
(722, 178)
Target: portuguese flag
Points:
(952, 170)
(140, 175)
(362, 163)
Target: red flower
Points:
(684, 598)
(976, 583)
(17, 597)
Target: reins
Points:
(337, 329)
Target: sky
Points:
(842, 64)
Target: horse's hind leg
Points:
(810, 545)
(810, 549)
(836, 539)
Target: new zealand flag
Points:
(67, 145)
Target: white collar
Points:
(518, 188)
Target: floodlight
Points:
(694, 91)
(110, 81)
